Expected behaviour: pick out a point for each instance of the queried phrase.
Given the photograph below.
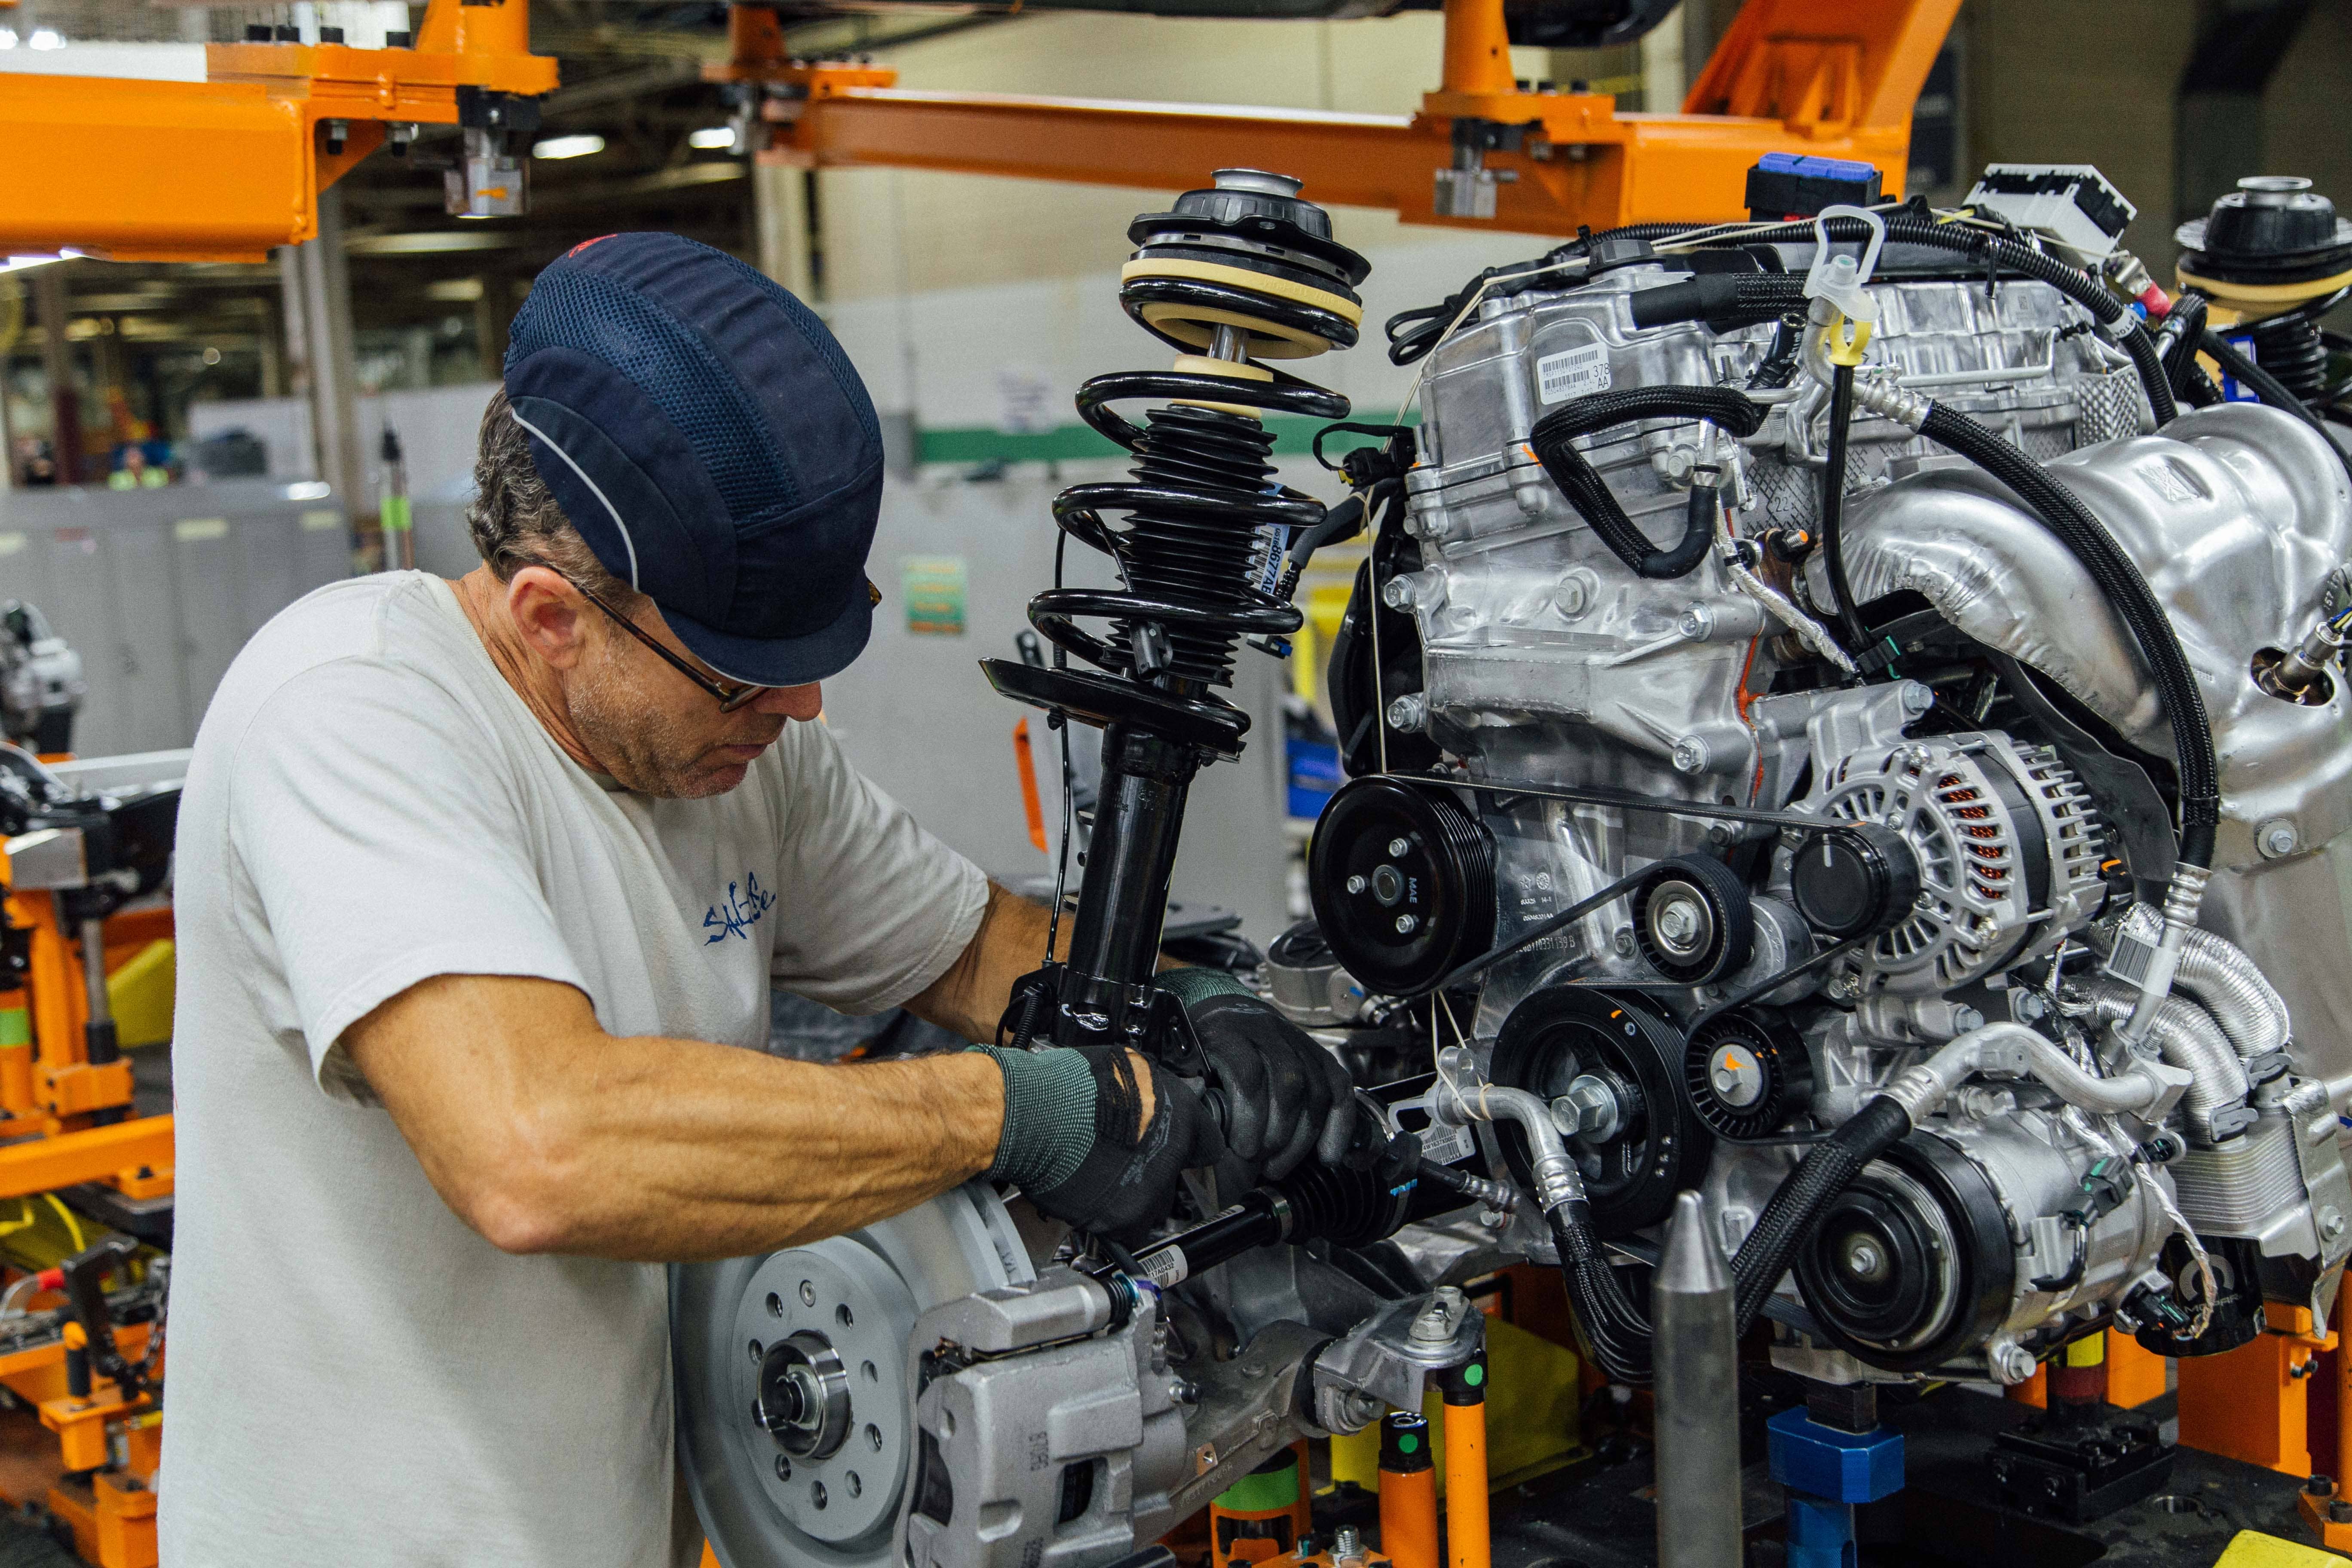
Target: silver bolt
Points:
(1623, 942)
(1406, 925)
(808, 1294)
(1916, 698)
(1397, 846)
(1355, 884)
(1690, 755)
(1407, 712)
(1678, 924)
(1572, 597)
(1965, 1018)
(1697, 623)
(2331, 1223)
(2011, 1362)
(1397, 593)
(1346, 1542)
(2032, 1006)
(2276, 838)
(1861, 1261)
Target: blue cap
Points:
(708, 438)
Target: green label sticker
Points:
(1408, 1444)
(1474, 1374)
(15, 1027)
(932, 587)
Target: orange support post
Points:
(1408, 1491)
(2250, 1404)
(2135, 1375)
(1468, 1543)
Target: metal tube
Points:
(100, 1045)
(1697, 1394)
(1467, 1542)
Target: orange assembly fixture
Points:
(1833, 78)
(1463, 1394)
(225, 169)
(1408, 1491)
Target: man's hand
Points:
(1285, 1097)
(1098, 1137)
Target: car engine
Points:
(1828, 733)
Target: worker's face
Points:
(655, 730)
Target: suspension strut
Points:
(1232, 277)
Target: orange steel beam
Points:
(225, 169)
(1828, 78)
(92, 1155)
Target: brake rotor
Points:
(794, 1414)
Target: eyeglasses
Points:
(729, 698)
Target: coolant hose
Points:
(1553, 442)
(2178, 342)
(1796, 1207)
(2119, 581)
(1857, 635)
(1618, 1331)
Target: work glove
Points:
(1281, 1096)
(1076, 1141)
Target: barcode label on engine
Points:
(1574, 374)
(1446, 1144)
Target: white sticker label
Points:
(1167, 1268)
(1573, 373)
(1445, 1144)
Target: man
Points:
(481, 886)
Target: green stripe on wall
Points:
(1293, 435)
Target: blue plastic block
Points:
(1824, 1462)
(1820, 1535)
(1781, 162)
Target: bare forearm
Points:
(660, 1150)
(674, 1150)
(971, 996)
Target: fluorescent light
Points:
(454, 289)
(47, 38)
(568, 147)
(7, 37)
(712, 139)
(309, 489)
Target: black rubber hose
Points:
(2269, 388)
(1618, 1332)
(2120, 580)
(1722, 299)
(1796, 1207)
(1857, 635)
(1553, 440)
(2178, 339)
(2072, 282)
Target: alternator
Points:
(2009, 850)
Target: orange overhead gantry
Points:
(225, 169)
(1833, 79)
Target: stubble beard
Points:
(646, 748)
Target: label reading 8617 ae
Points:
(1574, 372)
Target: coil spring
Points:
(1201, 491)
(2290, 348)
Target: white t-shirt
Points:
(355, 1376)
